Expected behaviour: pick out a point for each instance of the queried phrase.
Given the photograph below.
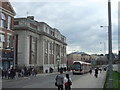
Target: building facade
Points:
(38, 45)
(6, 34)
(80, 56)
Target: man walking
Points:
(96, 72)
(60, 80)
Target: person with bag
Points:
(59, 81)
(67, 82)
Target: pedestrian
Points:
(23, 72)
(100, 70)
(60, 80)
(105, 68)
(90, 71)
(96, 72)
(9, 73)
(67, 82)
(6, 74)
(3, 74)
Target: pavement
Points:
(90, 81)
(28, 77)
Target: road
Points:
(40, 81)
(48, 80)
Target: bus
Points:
(80, 67)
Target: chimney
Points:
(30, 17)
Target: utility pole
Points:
(110, 44)
(14, 62)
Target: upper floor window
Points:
(2, 38)
(9, 23)
(2, 20)
(8, 41)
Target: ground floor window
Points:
(7, 64)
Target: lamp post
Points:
(14, 50)
(58, 62)
(110, 44)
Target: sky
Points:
(78, 20)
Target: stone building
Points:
(38, 45)
(80, 56)
(6, 34)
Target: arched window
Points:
(3, 20)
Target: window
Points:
(2, 20)
(9, 23)
(16, 22)
(8, 41)
(1, 44)
(2, 38)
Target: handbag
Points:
(56, 84)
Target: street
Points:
(40, 81)
(48, 80)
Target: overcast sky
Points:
(78, 20)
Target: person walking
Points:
(67, 82)
(90, 71)
(96, 72)
(60, 80)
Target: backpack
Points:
(69, 82)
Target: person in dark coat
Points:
(60, 80)
(90, 71)
(96, 72)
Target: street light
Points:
(58, 61)
(103, 26)
(109, 44)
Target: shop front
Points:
(7, 60)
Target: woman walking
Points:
(68, 82)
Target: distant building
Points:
(6, 34)
(78, 56)
(38, 45)
(81, 56)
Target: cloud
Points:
(78, 20)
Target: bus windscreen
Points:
(77, 66)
